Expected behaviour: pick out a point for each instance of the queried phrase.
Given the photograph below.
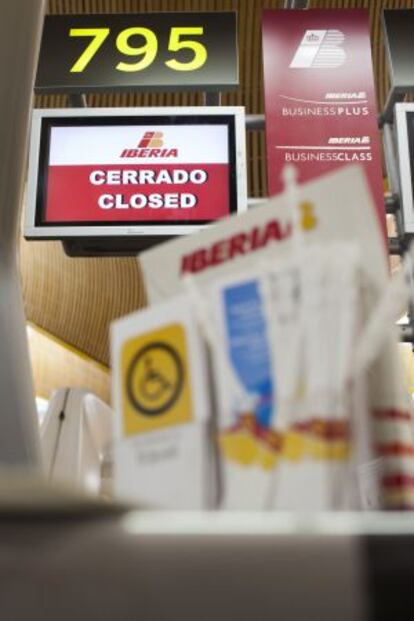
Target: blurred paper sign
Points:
(161, 403)
(336, 207)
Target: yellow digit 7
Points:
(98, 37)
(175, 44)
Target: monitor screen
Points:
(404, 123)
(100, 170)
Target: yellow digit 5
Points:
(176, 44)
(98, 37)
(148, 50)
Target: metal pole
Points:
(20, 29)
(296, 4)
(394, 96)
(212, 98)
(390, 159)
(255, 121)
(77, 101)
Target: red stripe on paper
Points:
(395, 449)
(393, 414)
(398, 480)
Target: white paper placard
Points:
(162, 409)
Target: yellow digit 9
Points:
(176, 43)
(148, 50)
(98, 37)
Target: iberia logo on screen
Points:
(152, 139)
(127, 173)
(151, 145)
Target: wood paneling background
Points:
(375, 8)
(57, 366)
(76, 299)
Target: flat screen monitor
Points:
(123, 179)
(399, 44)
(404, 116)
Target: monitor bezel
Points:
(405, 147)
(35, 228)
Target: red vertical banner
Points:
(319, 96)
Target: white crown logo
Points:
(320, 49)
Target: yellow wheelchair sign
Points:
(156, 384)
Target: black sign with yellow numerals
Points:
(147, 51)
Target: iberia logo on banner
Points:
(128, 173)
(320, 49)
(319, 96)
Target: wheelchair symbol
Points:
(155, 379)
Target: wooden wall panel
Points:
(54, 366)
(375, 8)
(76, 299)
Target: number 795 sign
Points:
(149, 51)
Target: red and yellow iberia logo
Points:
(152, 140)
(151, 144)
